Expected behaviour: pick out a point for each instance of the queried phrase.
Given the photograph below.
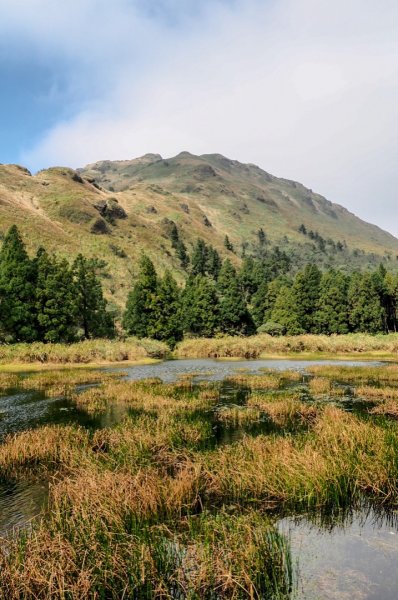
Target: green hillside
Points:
(116, 210)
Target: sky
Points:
(306, 89)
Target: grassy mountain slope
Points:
(116, 210)
(238, 198)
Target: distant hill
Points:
(117, 209)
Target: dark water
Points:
(351, 556)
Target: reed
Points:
(377, 393)
(284, 411)
(88, 351)
(47, 448)
(151, 508)
(263, 345)
(269, 381)
(388, 408)
(8, 381)
(320, 385)
(63, 383)
(356, 374)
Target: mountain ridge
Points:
(115, 210)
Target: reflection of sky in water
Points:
(216, 370)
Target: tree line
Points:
(261, 296)
(45, 298)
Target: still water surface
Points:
(350, 556)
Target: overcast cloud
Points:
(307, 89)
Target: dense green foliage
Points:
(263, 295)
(46, 299)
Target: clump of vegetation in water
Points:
(154, 507)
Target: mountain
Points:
(117, 209)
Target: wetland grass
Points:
(153, 508)
(85, 352)
(257, 346)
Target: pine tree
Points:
(391, 283)
(166, 325)
(182, 254)
(259, 304)
(213, 262)
(306, 293)
(365, 310)
(174, 235)
(139, 317)
(234, 317)
(285, 311)
(92, 315)
(228, 244)
(262, 239)
(55, 299)
(178, 245)
(331, 315)
(248, 278)
(200, 314)
(199, 258)
(17, 285)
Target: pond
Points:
(347, 555)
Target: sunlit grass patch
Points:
(283, 410)
(359, 374)
(8, 381)
(320, 385)
(269, 381)
(88, 351)
(377, 393)
(389, 408)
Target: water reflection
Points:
(345, 555)
(20, 502)
(207, 369)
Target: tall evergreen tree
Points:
(259, 304)
(285, 311)
(391, 285)
(306, 293)
(139, 317)
(17, 285)
(92, 315)
(199, 258)
(234, 317)
(55, 299)
(331, 315)
(167, 324)
(182, 254)
(228, 244)
(365, 309)
(213, 262)
(200, 310)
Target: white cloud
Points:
(307, 89)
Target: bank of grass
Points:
(151, 508)
(303, 346)
(85, 352)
